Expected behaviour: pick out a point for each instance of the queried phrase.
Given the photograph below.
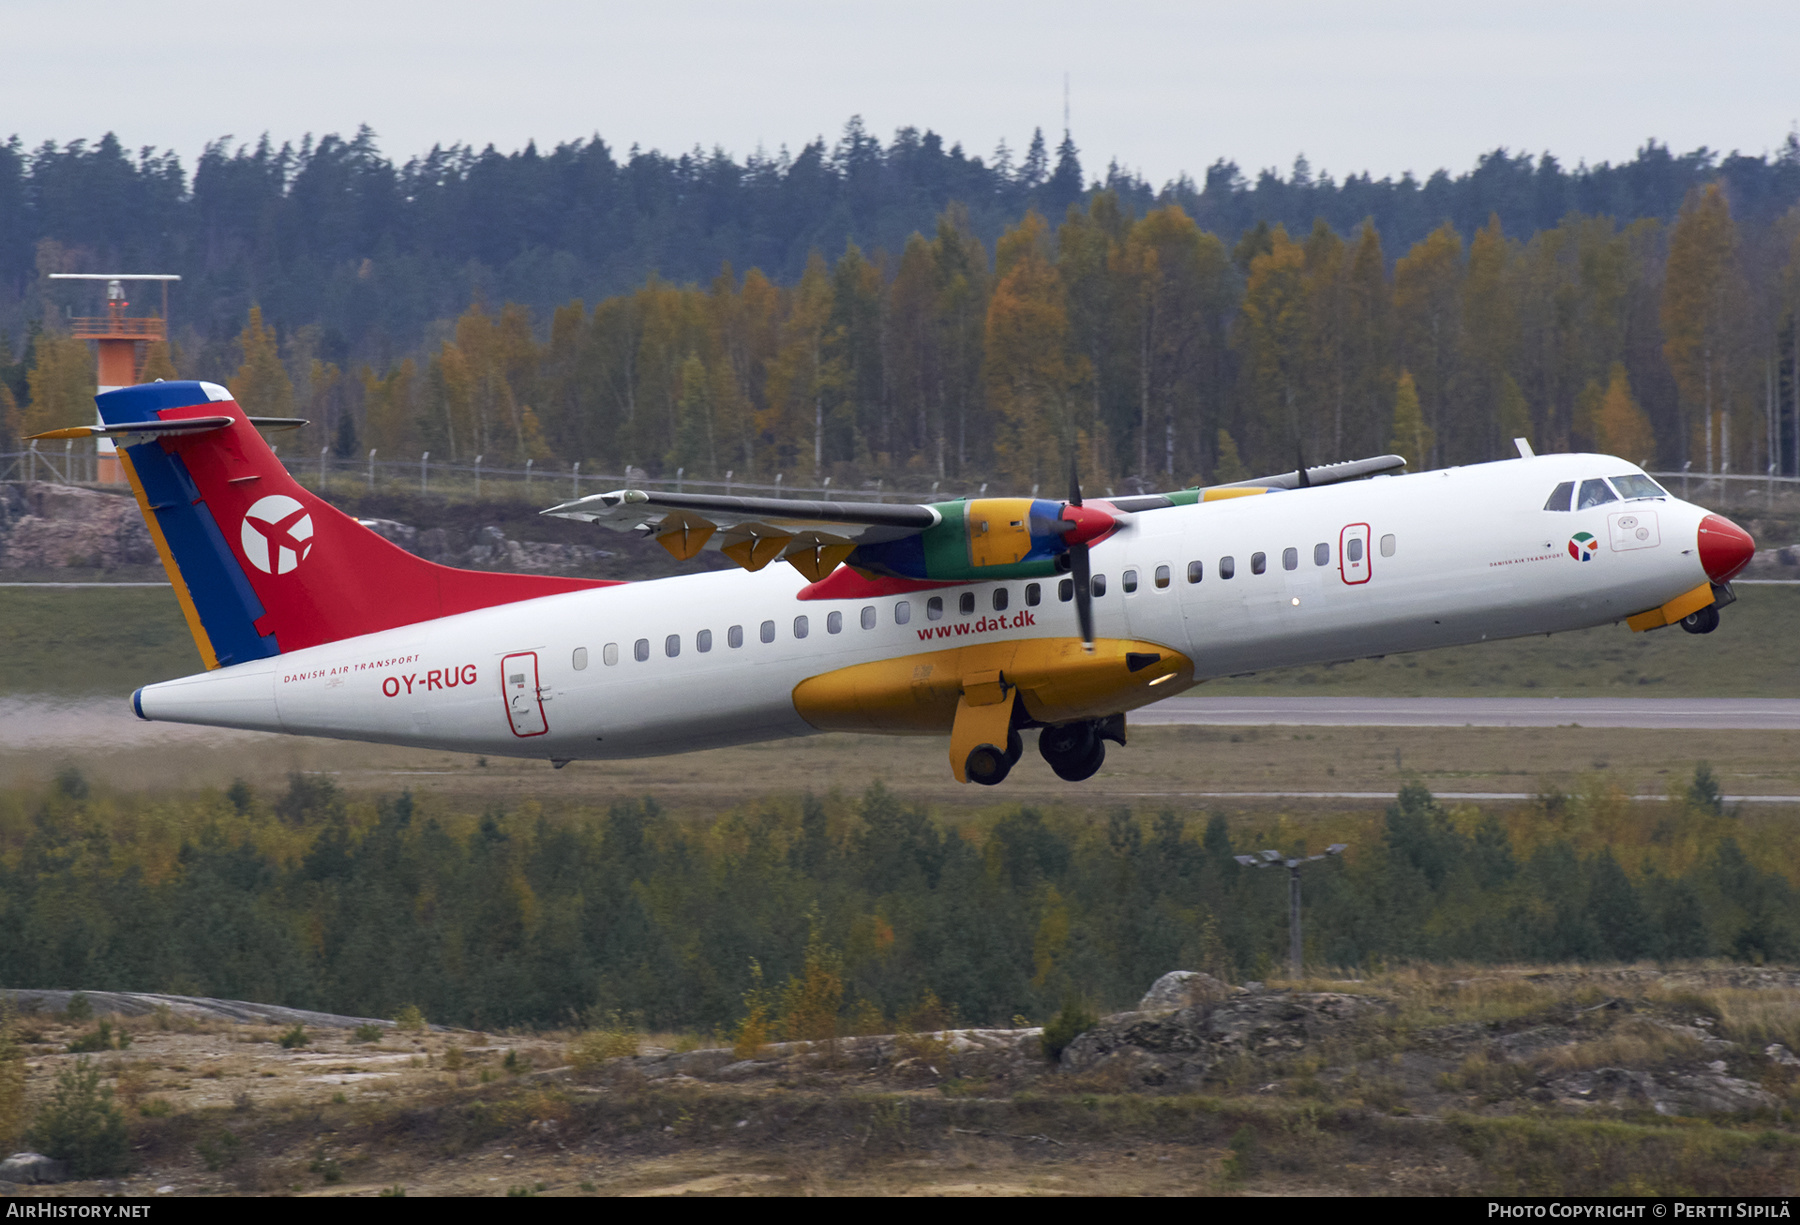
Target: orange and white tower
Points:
(121, 341)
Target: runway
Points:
(1694, 714)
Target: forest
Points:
(912, 314)
(498, 917)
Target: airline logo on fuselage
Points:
(277, 534)
(1582, 546)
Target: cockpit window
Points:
(1595, 493)
(1637, 485)
(1559, 498)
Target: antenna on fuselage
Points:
(1525, 451)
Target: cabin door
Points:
(524, 700)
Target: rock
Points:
(32, 1167)
(1780, 1054)
(56, 526)
(1667, 1093)
(1180, 988)
(1180, 1048)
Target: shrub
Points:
(596, 1046)
(12, 1083)
(78, 1009)
(81, 1124)
(293, 1037)
(410, 1020)
(370, 1032)
(101, 1039)
(1074, 1020)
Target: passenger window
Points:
(1595, 493)
(1387, 545)
(934, 608)
(1227, 567)
(1354, 549)
(868, 616)
(1034, 595)
(1001, 599)
(1099, 585)
(640, 650)
(1259, 562)
(1559, 497)
(609, 654)
(1196, 571)
(672, 645)
(965, 603)
(1128, 581)
(902, 612)
(1321, 554)
(834, 623)
(1162, 577)
(1290, 559)
(734, 637)
(703, 641)
(1065, 590)
(768, 631)
(800, 627)
(579, 659)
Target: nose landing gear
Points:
(1702, 621)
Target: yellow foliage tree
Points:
(1031, 374)
(159, 362)
(261, 385)
(1699, 288)
(1411, 437)
(1620, 426)
(60, 384)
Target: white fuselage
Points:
(1455, 556)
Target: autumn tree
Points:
(1412, 438)
(1032, 376)
(60, 385)
(1428, 318)
(261, 384)
(1620, 426)
(1698, 290)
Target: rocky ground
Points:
(1639, 1080)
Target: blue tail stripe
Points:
(223, 597)
(143, 402)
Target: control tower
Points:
(121, 341)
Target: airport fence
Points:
(77, 463)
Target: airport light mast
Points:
(120, 341)
(1270, 859)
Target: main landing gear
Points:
(1077, 750)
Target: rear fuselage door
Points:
(524, 700)
(1353, 553)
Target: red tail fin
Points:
(261, 565)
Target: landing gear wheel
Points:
(1073, 750)
(1704, 621)
(988, 765)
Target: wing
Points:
(815, 536)
(1300, 478)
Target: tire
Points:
(1704, 621)
(1086, 768)
(1073, 751)
(987, 765)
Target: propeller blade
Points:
(1082, 574)
(1300, 456)
(1074, 481)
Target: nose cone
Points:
(1725, 548)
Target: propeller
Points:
(1079, 569)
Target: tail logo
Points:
(277, 534)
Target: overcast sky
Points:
(1383, 85)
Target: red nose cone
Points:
(1090, 524)
(1725, 548)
